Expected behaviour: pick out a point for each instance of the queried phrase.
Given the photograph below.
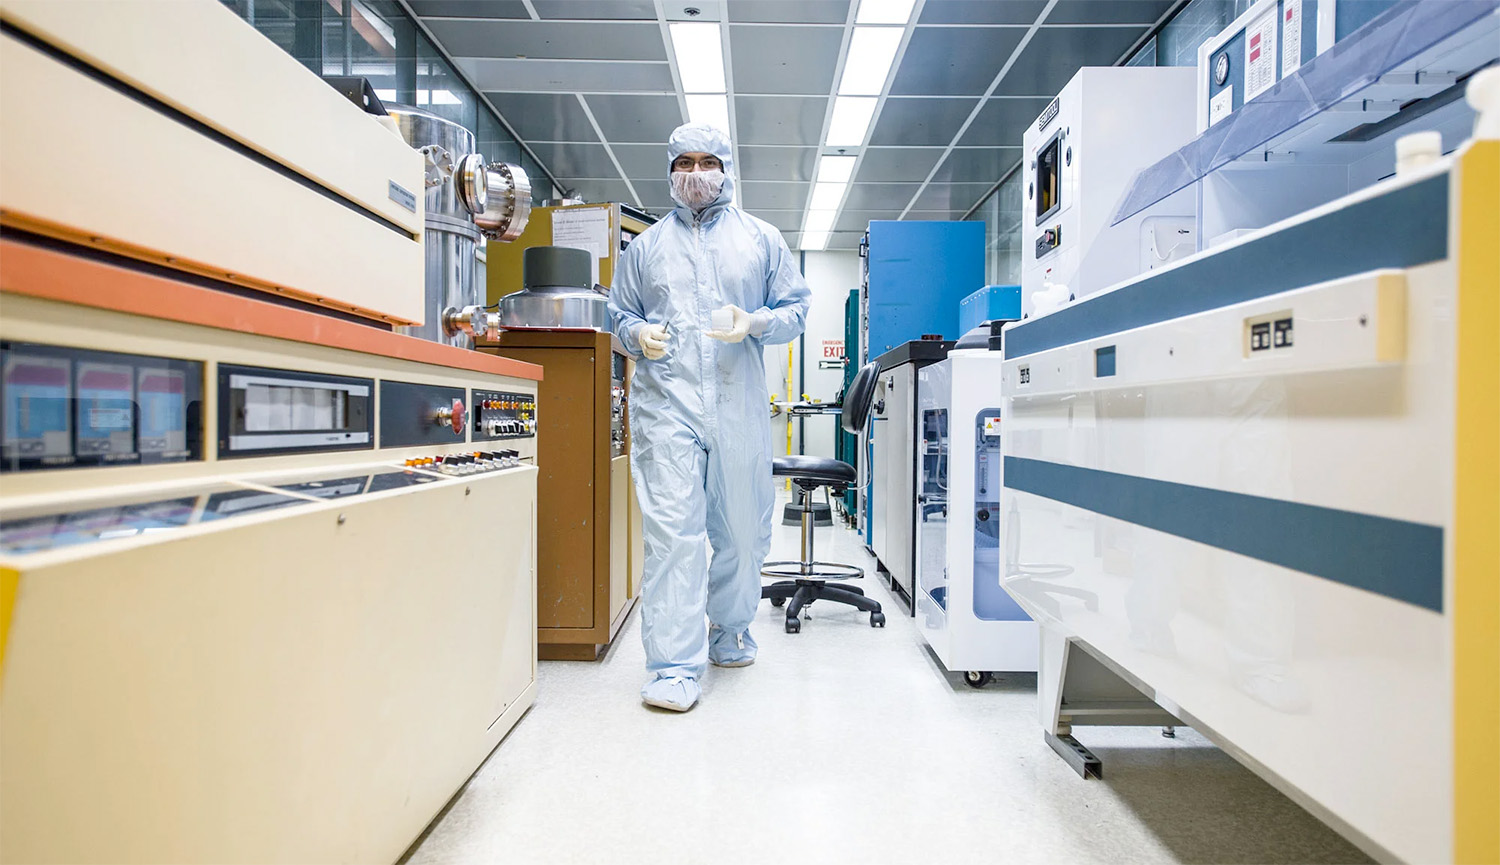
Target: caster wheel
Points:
(778, 602)
(793, 626)
(976, 679)
(877, 620)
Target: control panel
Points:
(474, 462)
(64, 407)
(500, 415)
(422, 414)
(275, 411)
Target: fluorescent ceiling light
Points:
(827, 196)
(835, 169)
(700, 56)
(818, 220)
(884, 11)
(872, 50)
(710, 108)
(851, 120)
(813, 240)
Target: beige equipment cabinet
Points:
(232, 657)
(207, 149)
(267, 569)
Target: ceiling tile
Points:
(982, 165)
(859, 220)
(469, 9)
(601, 190)
(555, 40)
(545, 116)
(793, 239)
(1054, 54)
(777, 163)
(779, 119)
(789, 11)
(920, 121)
(973, 12)
(1145, 12)
(897, 163)
(642, 160)
(775, 196)
(636, 119)
(953, 61)
(784, 59)
(844, 240)
(880, 196)
(1002, 122)
(510, 74)
(951, 196)
(585, 10)
(569, 161)
(784, 220)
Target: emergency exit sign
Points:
(833, 348)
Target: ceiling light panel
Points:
(850, 121)
(872, 50)
(835, 169)
(813, 240)
(818, 221)
(884, 11)
(700, 56)
(710, 108)
(827, 196)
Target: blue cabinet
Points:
(916, 274)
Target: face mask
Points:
(696, 189)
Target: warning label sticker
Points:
(1260, 55)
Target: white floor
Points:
(847, 743)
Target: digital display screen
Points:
(38, 391)
(65, 407)
(161, 394)
(1048, 178)
(105, 410)
(265, 411)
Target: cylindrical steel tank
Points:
(451, 235)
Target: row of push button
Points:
(469, 463)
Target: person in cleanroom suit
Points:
(700, 425)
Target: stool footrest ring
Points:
(810, 571)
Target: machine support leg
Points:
(1076, 755)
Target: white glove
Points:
(743, 321)
(653, 339)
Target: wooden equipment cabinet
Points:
(589, 548)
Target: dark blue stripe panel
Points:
(1393, 558)
(1403, 228)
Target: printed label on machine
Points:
(1220, 106)
(1260, 55)
(106, 403)
(1291, 36)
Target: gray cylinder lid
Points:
(543, 266)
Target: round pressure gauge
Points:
(1221, 69)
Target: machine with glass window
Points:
(962, 611)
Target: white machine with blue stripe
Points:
(1245, 465)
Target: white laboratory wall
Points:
(831, 276)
